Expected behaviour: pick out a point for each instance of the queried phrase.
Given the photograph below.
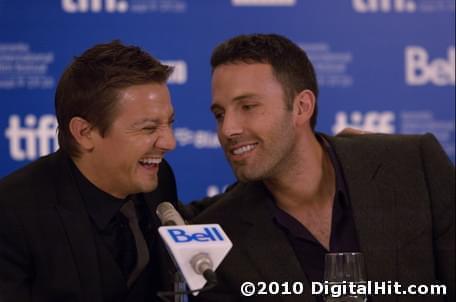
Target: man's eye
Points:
(248, 106)
(218, 116)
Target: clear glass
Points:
(340, 269)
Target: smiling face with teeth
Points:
(254, 126)
(125, 160)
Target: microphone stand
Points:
(179, 286)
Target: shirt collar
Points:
(340, 180)
(101, 206)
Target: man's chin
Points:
(149, 187)
(244, 176)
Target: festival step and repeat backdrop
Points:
(383, 66)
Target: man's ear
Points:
(83, 132)
(304, 106)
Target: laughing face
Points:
(254, 126)
(125, 161)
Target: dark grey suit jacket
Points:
(402, 193)
(47, 247)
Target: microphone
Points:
(168, 214)
(196, 249)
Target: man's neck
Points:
(308, 182)
(306, 189)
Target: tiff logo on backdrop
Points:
(95, 6)
(385, 6)
(38, 136)
(420, 70)
(372, 121)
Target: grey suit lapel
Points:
(77, 225)
(266, 245)
(374, 208)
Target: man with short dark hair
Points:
(302, 194)
(79, 224)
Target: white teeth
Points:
(150, 161)
(156, 160)
(243, 149)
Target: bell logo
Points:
(419, 70)
(385, 6)
(94, 6)
(372, 121)
(179, 235)
(37, 138)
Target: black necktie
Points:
(142, 252)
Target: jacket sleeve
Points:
(196, 207)
(440, 178)
(15, 262)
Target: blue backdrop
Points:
(383, 65)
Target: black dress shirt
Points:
(115, 243)
(343, 238)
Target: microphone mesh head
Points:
(168, 214)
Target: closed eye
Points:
(248, 107)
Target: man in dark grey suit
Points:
(302, 194)
(79, 224)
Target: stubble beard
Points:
(273, 156)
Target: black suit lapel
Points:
(374, 207)
(264, 242)
(160, 261)
(77, 226)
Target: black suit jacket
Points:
(47, 246)
(402, 193)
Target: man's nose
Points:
(166, 140)
(231, 125)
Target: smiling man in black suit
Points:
(79, 224)
(302, 194)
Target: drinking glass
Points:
(340, 270)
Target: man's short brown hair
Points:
(289, 62)
(89, 86)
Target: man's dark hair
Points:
(289, 62)
(89, 86)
